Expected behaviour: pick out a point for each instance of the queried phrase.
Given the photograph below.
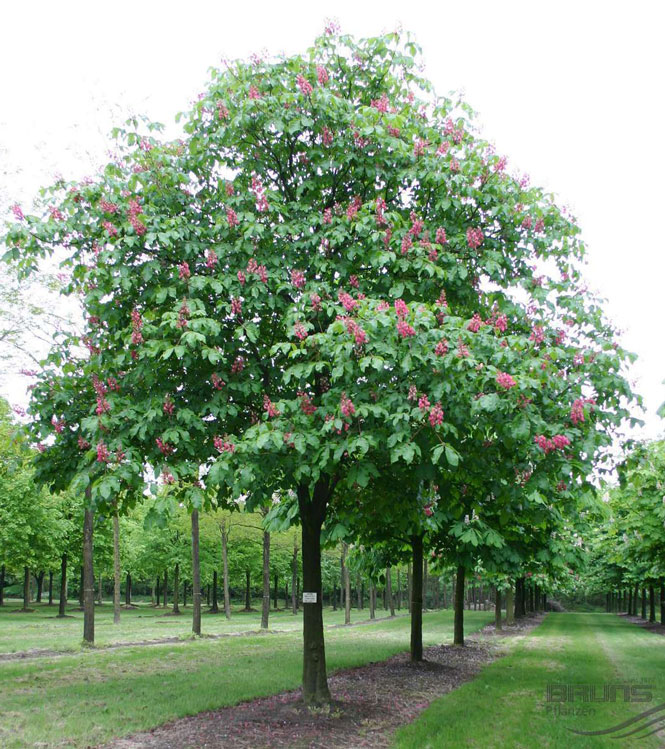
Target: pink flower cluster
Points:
(269, 407)
(346, 406)
(164, 447)
(577, 411)
(168, 406)
(441, 348)
(347, 301)
(306, 404)
(137, 325)
(183, 271)
(257, 270)
(423, 403)
(440, 237)
(501, 323)
(558, 442)
(168, 477)
(254, 92)
(241, 278)
(298, 278)
(382, 104)
(112, 230)
(419, 147)
(58, 424)
(404, 329)
(238, 365)
(354, 207)
(327, 216)
(504, 380)
(304, 85)
(236, 306)
(474, 237)
(108, 207)
(300, 331)
(103, 455)
(436, 415)
(359, 335)
(401, 308)
(315, 299)
(18, 213)
(133, 212)
(223, 445)
(259, 193)
(321, 75)
(217, 382)
(475, 324)
(183, 315)
(83, 444)
(231, 217)
(413, 393)
(537, 335)
(327, 136)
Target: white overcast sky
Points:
(570, 92)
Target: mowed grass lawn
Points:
(506, 706)
(89, 697)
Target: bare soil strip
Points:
(369, 703)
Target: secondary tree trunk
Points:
(265, 608)
(417, 599)
(225, 570)
(372, 601)
(497, 608)
(399, 591)
(166, 588)
(50, 589)
(116, 569)
(346, 581)
(99, 590)
(196, 575)
(408, 586)
(248, 597)
(458, 628)
(313, 506)
(26, 588)
(40, 585)
(275, 590)
(88, 576)
(176, 589)
(510, 603)
(652, 604)
(214, 609)
(519, 598)
(644, 603)
(63, 586)
(662, 602)
(389, 591)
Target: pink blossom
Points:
(413, 393)
(462, 349)
(229, 189)
(103, 455)
(222, 111)
(346, 406)
(527, 222)
(306, 404)
(137, 325)
(254, 92)
(436, 415)
(168, 406)
(238, 365)
(577, 411)
(401, 308)
(327, 216)
(501, 323)
(300, 331)
(540, 225)
(327, 136)
(241, 277)
(223, 445)
(183, 271)
(500, 165)
(382, 104)
(407, 244)
(442, 150)
(18, 213)
(419, 147)
(164, 447)
(168, 477)
(504, 380)
(183, 315)
(259, 193)
(441, 236)
(359, 335)
(112, 230)
(28, 372)
(103, 405)
(404, 329)
(454, 165)
(537, 334)
(346, 300)
(231, 217)
(108, 207)
(236, 306)
(394, 131)
(304, 85)
(269, 407)
(382, 306)
(298, 278)
(315, 299)
(441, 348)
(475, 324)
(354, 207)
(560, 441)
(58, 424)
(321, 75)
(474, 237)
(83, 444)
(217, 382)
(423, 403)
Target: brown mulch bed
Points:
(369, 703)
(654, 627)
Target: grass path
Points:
(87, 698)
(506, 706)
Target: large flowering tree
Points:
(240, 284)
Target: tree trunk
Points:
(399, 591)
(334, 597)
(50, 589)
(652, 604)
(265, 608)
(372, 601)
(184, 594)
(644, 603)
(63, 586)
(248, 597)
(275, 590)
(510, 604)
(389, 591)
(497, 608)
(128, 590)
(158, 592)
(313, 506)
(196, 575)
(346, 580)
(519, 598)
(225, 570)
(176, 589)
(26, 588)
(458, 628)
(214, 609)
(166, 588)
(359, 593)
(152, 592)
(88, 576)
(40, 584)
(294, 575)
(116, 569)
(417, 599)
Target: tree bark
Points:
(26, 588)
(116, 569)
(265, 608)
(497, 608)
(196, 575)
(458, 628)
(225, 570)
(128, 590)
(519, 598)
(372, 600)
(40, 583)
(63, 586)
(510, 604)
(389, 591)
(313, 506)
(176, 589)
(248, 596)
(346, 580)
(644, 603)
(359, 593)
(399, 591)
(652, 604)
(50, 589)
(416, 645)
(88, 576)
(214, 609)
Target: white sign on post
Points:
(309, 597)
